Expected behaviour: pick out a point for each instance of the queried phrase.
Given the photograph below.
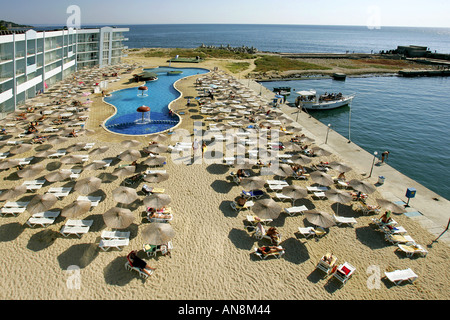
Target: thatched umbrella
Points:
(158, 233)
(319, 218)
(155, 161)
(31, 171)
(295, 192)
(157, 200)
(130, 143)
(118, 218)
(124, 195)
(253, 183)
(362, 186)
(124, 171)
(9, 163)
(88, 185)
(266, 209)
(55, 140)
(321, 178)
(58, 175)
(156, 177)
(94, 165)
(76, 209)
(391, 206)
(340, 167)
(160, 137)
(41, 203)
(339, 197)
(99, 150)
(21, 148)
(130, 155)
(72, 158)
(301, 159)
(13, 192)
(318, 151)
(156, 148)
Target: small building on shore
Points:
(413, 51)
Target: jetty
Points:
(424, 73)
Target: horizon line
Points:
(256, 24)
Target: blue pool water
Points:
(160, 93)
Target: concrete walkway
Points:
(431, 214)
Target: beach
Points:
(212, 256)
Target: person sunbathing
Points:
(139, 263)
(73, 133)
(269, 249)
(274, 235)
(328, 258)
(386, 217)
(157, 215)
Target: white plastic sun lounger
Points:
(76, 227)
(106, 244)
(345, 220)
(115, 234)
(316, 189)
(12, 211)
(282, 197)
(43, 219)
(60, 192)
(59, 153)
(294, 210)
(33, 185)
(88, 146)
(94, 200)
(399, 276)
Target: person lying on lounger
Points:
(269, 249)
(139, 263)
(274, 235)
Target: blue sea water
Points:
(407, 116)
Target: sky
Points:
(375, 13)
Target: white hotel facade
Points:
(31, 61)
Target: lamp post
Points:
(349, 126)
(373, 162)
(328, 130)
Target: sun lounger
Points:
(277, 254)
(160, 217)
(106, 244)
(57, 154)
(324, 265)
(254, 220)
(92, 199)
(43, 219)
(282, 197)
(393, 230)
(60, 192)
(16, 204)
(237, 207)
(320, 195)
(297, 176)
(25, 161)
(294, 210)
(368, 209)
(344, 220)
(344, 272)
(152, 250)
(399, 276)
(380, 224)
(399, 239)
(33, 185)
(412, 249)
(155, 171)
(115, 235)
(75, 173)
(277, 187)
(252, 194)
(76, 227)
(15, 211)
(316, 189)
(142, 274)
(309, 232)
(3, 155)
(88, 146)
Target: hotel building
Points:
(31, 61)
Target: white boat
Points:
(310, 100)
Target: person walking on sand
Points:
(384, 156)
(203, 149)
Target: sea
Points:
(408, 117)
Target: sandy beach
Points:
(212, 255)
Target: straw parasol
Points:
(339, 197)
(44, 153)
(321, 178)
(155, 161)
(41, 203)
(72, 158)
(156, 148)
(124, 195)
(266, 209)
(21, 148)
(96, 164)
(318, 151)
(130, 155)
(76, 209)
(124, 171)
(118, 218)
(9, 163)
(301, 159)
(253, 183)
(76, 147)
(57, 140)
(391, 206)
(57, 175)
(99, 150)
(340, 167)
(243, 163)
(157, 200)
(295, 192)
(130, 143)
(158, 233)
(31, 171)
(156, 177)
(87, 185)
(160, 137)
(362, 186)
(319, 218)
(13, 192)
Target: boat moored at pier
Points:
(311, 100)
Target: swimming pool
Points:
(160, 93)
